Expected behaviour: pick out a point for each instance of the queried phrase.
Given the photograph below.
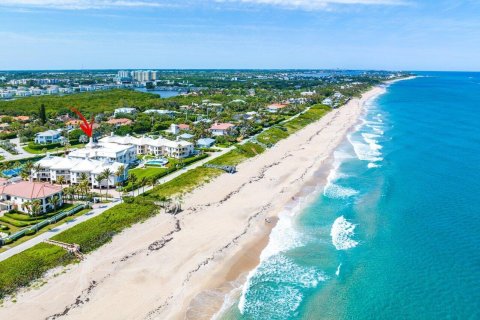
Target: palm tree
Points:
(143, 183)
(55, 201)
(37, 168)
(83, 187)
(99, 179)
(27, 168)
(36, 207)
(120, 173)
(24, 174)
(61, 181)
(133, 179)
(68, 192)
(107, 173)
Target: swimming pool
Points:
(157, 162)
(12, 172)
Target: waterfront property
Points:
(19, 195)
(221, 129)
(51, 168)
(49, 136)
(205, 142)
(158, 147)
(110, 152)
(275, 107)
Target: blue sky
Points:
(355, 34)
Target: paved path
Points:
(51, 233)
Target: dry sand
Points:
(178, 267)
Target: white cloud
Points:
(81, 4)
(105, 4)
(316, 4)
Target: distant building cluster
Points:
(11, 93)
(136, 75)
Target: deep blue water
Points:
(395, 233)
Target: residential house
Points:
(15, 195)
(221, 129)
(205, 142)
(275, 107)
(49, 136)
(120, 122)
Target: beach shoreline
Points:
(226, 222)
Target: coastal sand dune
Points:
(178, 267)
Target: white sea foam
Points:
(342, 232)
(364, 151)
(284, 237)
(332, 189)
(279, 279)
(336, 191)
(337, 273)
(372, 165)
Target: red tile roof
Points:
(121, 121)
(183, 126)
(22, 118)
(221, 126)
(30, 190)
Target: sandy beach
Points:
(181, 267)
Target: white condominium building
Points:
(72, 170)
(158, 147)
(110, 152)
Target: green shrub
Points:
(24, 267)
(97, 231)
(48, 146)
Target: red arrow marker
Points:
(86, 127)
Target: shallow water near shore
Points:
(393, 234)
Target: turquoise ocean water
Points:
(395, 232)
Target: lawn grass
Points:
(34, 151)
(147, 172)
(43, 230)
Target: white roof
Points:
(101, 149)
(129, 140)
(78, 165)
(48, 133)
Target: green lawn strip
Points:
(24, 267)
(44, 229)
(97, 231)
(156, 173)
(272, 135)
(239, 154)
(281, 131)
(183, 183)
(147, 172)
(41, 151)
